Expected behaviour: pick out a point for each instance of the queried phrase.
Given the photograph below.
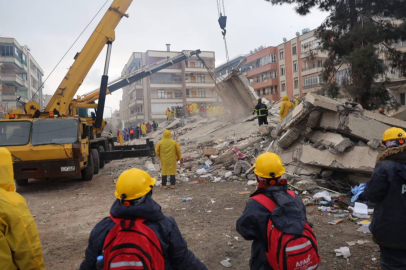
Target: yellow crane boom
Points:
(103, 33)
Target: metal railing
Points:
(313, 85)
(167, 82)
(310, 68)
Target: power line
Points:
(69, 50)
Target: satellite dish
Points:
(251, 52)
(284, 40)
(256, 50)
(297, 34)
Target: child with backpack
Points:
(275, 219)
(137, 235)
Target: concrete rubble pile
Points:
(322, 137)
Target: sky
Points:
(49, 28)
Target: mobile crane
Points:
(56, 143)
(50, 143)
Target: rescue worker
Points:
(387, 189)
(134, 201)
(132, 133)
(252, 225)
(144, 129)
(111, 134)
(168, 151)
(296, 101)
(20, 246)
(138, 131)
(209, 111)
(168, 114)
(286, 106)
(154, 125)
(262, 111)
(201, 110)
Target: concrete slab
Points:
(365, 128)
(385, 119)
(327, 138)
(360, 159)
(330, 121)
(323, 102)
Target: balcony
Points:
(14, 79)
(166, 84)
(201, 99)
(313, 85)
(315, 52)
(166, 100)
(260, 70)
(209, 84)
(311, 70)
(138, 100)
(13, 62)
(197, 69)
(172, 70)
(265, 83)
(137, 116)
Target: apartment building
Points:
(224, 69)
(263, 72)
(184, 83)
(300, 62)
(20, 75)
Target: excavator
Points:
(57, 142)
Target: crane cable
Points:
(223, 23)
(69, 49)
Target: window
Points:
(201, 78)
(199, 64)
(179, 95)
(187, 93)
(259, 92)
(281, 55)
(258, 79)
(202, 93)
(161, 93)
(314, 64)
(320, 63)
(264, 76)
(187, 78)
(296, 83)
(267, 91)
(14, 133)
(283, 87)
(52, 131)
(312, 81)
(169, 95)
(295, 66)
(282, 71)
(294, 50)
(402, 99)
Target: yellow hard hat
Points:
(269, 165)
(133, 184)
(393, 134)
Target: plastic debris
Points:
(364, 229)
(216, 179)
(228, 208)
(226, 263)
(228, 174)
(244, 192)
(357, 191)
(186, 199)
(343, 251)
(336, 221)
(324, 194)
(201, 171)
(158, 183)
(252, 183)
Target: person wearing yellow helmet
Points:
(20, 246)
(387, 189)
(253, 223)
(137, 231)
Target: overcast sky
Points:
(49, 27)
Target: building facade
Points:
(263, 72)
(20, 75)
(184, 83)
(300, 62)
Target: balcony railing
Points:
(310, 68)
(313, 85)
(174, 67)
(167, 82)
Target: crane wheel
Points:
(88, 172)
(96, 160)
(102, 162)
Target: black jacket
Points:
(260, 106)
(172, 242)
(288, 216)
(387, 189)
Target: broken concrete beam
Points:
(314, 119)
(306, 184)
(300, 168)
(357, 126)
(264, 130)
(322, 102)
(229, 155)
(208, 151)
(290, 154)
(175, 124)
(291, 135)
(360, 159)
(374, 144)
(241, 167)
(335, 142)
(385, 119)
(296, 115)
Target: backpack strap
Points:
(267, 202)
(122, 221)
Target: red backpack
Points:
(132, 245)
(289, 251)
